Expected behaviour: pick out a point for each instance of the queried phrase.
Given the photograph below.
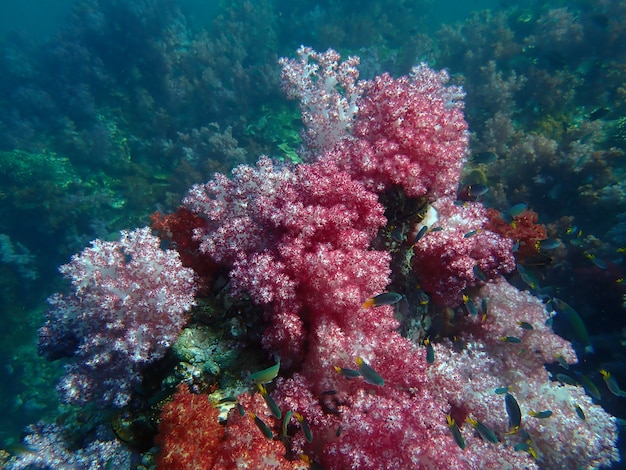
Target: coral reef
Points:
(189, 432)
(127, 308)
(47, 448)
(303, 248)
(298, 242)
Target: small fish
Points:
(486, 433)
(228, 400)
(472, 192)
(510, 339)
(396, 234)
(480, 275)
(598, 113)
(571, 230)
(611, 383)
(547, 245)
(285, 425)
(240, 409)
(386, 298)
(566, 379)
(514, 413)
(304, 425)
(540, 414)
(502, 390)
(517, 209)
(368, 374)
(471, 234)
(526, 447)
(483, 157)
(597, 262)
(430, 351)
(338, 431)
(577, 242)
(420, 234)
(562, 362)
(264, 428)
(588, 385)
(484, 305)
(266, 375)
(525, 325)
(528, 277)
(580, 412)
(269, 401)
(347, 373)
(456, 432)
(470, 305)
(574, 319)
(423, 298)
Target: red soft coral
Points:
(524, 229)
(189, 432)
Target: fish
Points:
(562, 362)
(269, 401)
(456, 432)
(486, 433)
(472, 192)
(423, 298)
(304, 425)
(514, 413)
(548, 244)
(420, 234)
(471, 234)
(510, 339)
(264, 428)
(611, 383)
(527, 447)
(347, 373)
(540, 414)
(575, 321)
(580, 412)
(517, 209)
(597, 262)
(285, 425)
(525, 325)
(483, 157)
(430, 351)
(502, 390)
(386, 298)
(528, 277)
(368, 374)
(598, 113)
(470, 305)
(266, 375)
(566, 379)
(588, 385)
(480, 275)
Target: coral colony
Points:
(314, 245)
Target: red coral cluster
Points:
(410, 132)
(179, 228)
(189, 432)
(524, 229)
(460, 252)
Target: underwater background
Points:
(111, 110)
